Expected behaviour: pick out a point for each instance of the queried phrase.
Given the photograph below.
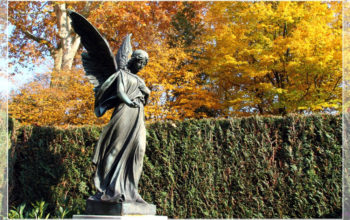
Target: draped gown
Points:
(120, 150)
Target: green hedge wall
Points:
(255, 167)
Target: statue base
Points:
(94, 207)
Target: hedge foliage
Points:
(255, 167)
(346, 164)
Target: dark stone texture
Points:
(121, 147)
(94, 207)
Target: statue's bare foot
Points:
(96, 197)
(140, 200)
(120, 198)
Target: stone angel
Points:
(121, 147)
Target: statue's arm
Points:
(122, 95)
(145, 91)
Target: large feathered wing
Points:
(105, 96)
(124, 52)
(98, 62)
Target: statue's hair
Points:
(139, 54)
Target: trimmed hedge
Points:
(255, 167)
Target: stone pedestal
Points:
(94, 207)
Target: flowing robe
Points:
(121, 147)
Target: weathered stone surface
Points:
(107, 208)
(121, 147)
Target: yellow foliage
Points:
(173, 80)
(69, 102)
(294, 47)
(249, 57)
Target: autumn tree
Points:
(148, 21)
(196, 99)
(187, 25)
(275, 57)
(43, 33)
(42, 30)
(39, 104)
(207, 59)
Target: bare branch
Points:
(335, 86)
(39, 40)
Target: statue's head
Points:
(138, 60)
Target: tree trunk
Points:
(69, 42)
(67, 45)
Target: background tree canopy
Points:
(207, 59)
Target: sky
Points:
(14, 83)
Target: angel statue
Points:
(121, 147)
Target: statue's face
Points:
(140, 63)
(137, 62)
